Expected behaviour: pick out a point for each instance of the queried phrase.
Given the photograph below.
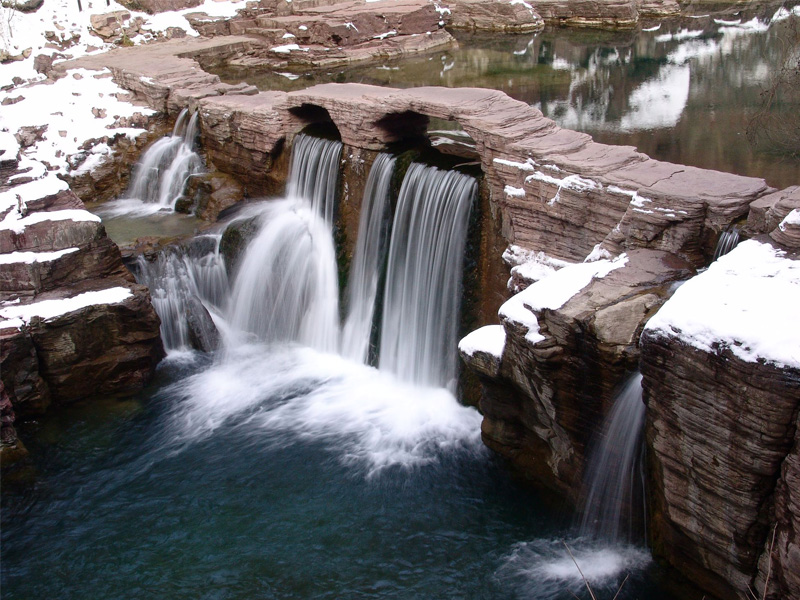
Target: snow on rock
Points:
(79, 107)
(16, 198)
(529, 266)
(793, 218)
(553, 292)
(748, 301)
(14, 223)
(33, 257)
(61, 20)
(50, 309)
(490, 340)
(287, 48)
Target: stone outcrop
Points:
(722, 388)
(776, 214)
(561, 364)
(73, 322)
(208, 194)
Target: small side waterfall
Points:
(287, 289)
(728, 240)
(161, 174)
(187, 287)
(613, 507)
(368, 260)
(423, 281)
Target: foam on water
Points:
(544, 568)
(369, 418)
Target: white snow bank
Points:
(33, 257)
(50, 309)
(553, 292)
(747, 301)
(490, 339)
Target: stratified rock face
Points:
(779, 567)
(511, 16)
(73, 322)
(569, 340)
(721, 366)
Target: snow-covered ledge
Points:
(748, 301)
(483, 349)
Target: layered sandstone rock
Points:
(507, 16)
(73, 323)
(158, 6)
(779, 566)
(721, 366)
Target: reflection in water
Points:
(682, 92)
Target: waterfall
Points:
(314, 173)
(187, 286)
(423, 282)
(286, 289)
(728, 240)
(368, 260)
(613, 506)
(163, 170)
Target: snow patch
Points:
(553, 292)
(793, 218)
(490, 340)
(746, 301)
(14, 223)
(514, 192)
(50, 309)
(33, 257)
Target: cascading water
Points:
(368, 260)
(728, 240)
(314, 172)
(423, 281)
(188, 287)
(613, 506)
(161, 174)
(286, 289)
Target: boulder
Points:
(208, 194)
(104, 348)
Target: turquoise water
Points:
(286, 474)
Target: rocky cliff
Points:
(722, 387)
